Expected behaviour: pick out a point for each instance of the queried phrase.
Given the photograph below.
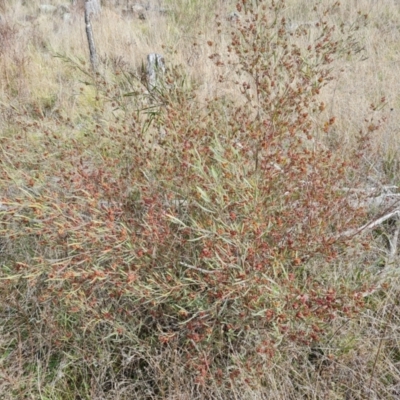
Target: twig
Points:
(370, 225)
(205, 271)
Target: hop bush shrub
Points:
(217, 240)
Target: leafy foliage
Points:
(208, 228)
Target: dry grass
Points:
(103, 223)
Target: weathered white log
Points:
(155, 70)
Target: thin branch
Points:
(205, 271)
(370, 225)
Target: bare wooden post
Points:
(155, 70)
(91, 7)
